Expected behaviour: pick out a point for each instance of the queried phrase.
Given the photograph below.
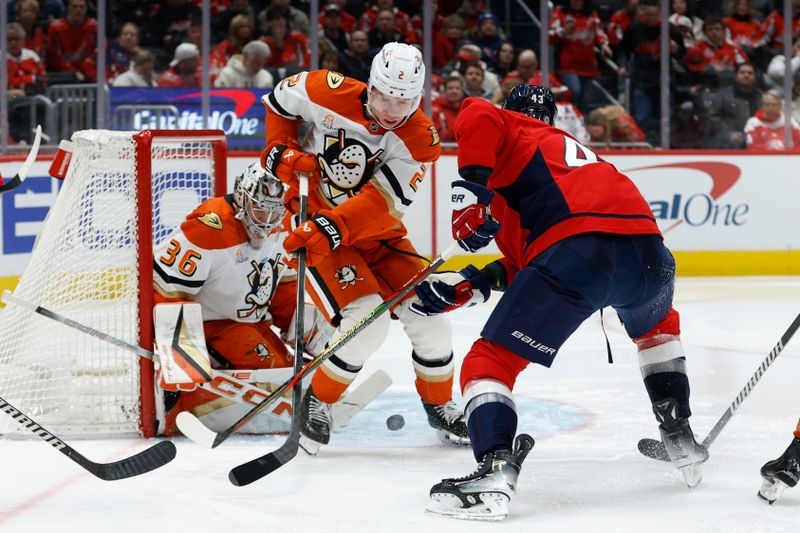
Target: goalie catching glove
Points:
(181, 346)
(473, 225)
(319, 235)
(443, 292)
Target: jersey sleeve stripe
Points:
(395, 184)
(172, 280)
(278, 108)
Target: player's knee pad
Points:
(489, 360)
(370, 339)
(431, 336)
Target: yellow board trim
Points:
(8, 283)
(716, 263)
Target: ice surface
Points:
(583, 475)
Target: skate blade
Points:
(311, 447)
(492, 508)
(771, 490)
(692, 474)
(452, 438)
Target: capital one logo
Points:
(700, 208)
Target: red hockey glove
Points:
(285, 162)
(443, 292)
(319, 235)
(473, 226)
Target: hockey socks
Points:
(491, 416)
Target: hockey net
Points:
(124, 192)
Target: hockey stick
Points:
(655, 448)
(143, 462)
(288, 449)
(234, 385)
(17, 180)
(195, 430)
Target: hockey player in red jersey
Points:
(368, 149)
(220, 283)
(783, 472)
(576, 236)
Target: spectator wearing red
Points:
(446, 40)
(578, 30)
(71, 43)
(184, 69)
(349, 22)
(25, 68)
(121, 52)
(289, 47)
(621, 21)
(28, 12)
(528, 71)
(741, 25)
(445, 107)
(716, 51)
(418, 22)
(773, 26)
(385, 31)
(765, 130)
(402, 22)
(241, 31)
(469, 12)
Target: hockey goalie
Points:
(220, 288)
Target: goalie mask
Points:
(396, 80)
(535, 101)
(258, 196)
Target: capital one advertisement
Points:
(237, 112)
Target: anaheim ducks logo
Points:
(347, 275)
(262, 285)
(334, 79)
(210, 219)
(347, 164)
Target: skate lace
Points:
(449, 411)
(319, 411)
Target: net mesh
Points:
(84, 267)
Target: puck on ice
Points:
(395, 422)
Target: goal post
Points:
(124, 193)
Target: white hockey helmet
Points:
(398, 73)
(258, 196)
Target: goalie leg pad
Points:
(181, 345)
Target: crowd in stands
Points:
(726, 63)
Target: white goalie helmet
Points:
(398, 74)
(258, 196)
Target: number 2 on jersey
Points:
(576, 155)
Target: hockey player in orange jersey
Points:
(368, 150)
(219, 280)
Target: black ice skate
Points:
(484, 494)
(316, 423)
(448, 421)
(684, 451)
(781, 473)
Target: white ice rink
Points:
(583, 475)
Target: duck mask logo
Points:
(347, 165)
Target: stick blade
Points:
(254, 470)
(141, 463)
(654, 449)
(193, 429)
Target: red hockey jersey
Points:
(547, 185)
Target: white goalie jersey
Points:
(210, 260)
